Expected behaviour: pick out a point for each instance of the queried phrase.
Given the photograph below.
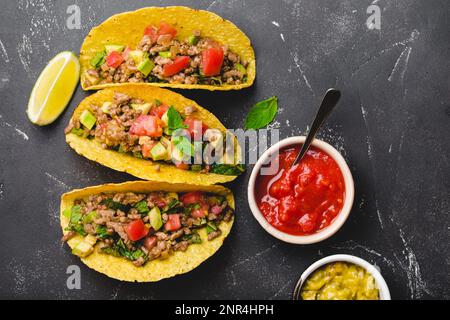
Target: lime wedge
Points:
(54, 88)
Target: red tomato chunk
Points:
(212, 59)
(180, 63)
(146, 125)
(136, 230)
(114, 59)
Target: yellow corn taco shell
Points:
(178, 262)
(127, 29)
(144, 168)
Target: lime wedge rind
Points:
(36, 110)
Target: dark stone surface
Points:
(392, 126)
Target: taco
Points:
(153, 134)
(176, 47)
(146, 231)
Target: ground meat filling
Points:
(166, 222)
(125, 125)
(164, 51)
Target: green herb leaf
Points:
(101, 232)
(210, 227)
(88, 218)
(173, 206)
(227, 169)
(174, 119)
(111, 204)
(75, 214)
(142, 207)
(262, 113)
(194, 237)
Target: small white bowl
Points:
(335, 224)
(379, 280)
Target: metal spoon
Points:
(329, 101)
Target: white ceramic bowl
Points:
(335, 224)
(379, 280)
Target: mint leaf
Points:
(174, 119)
(262, 113)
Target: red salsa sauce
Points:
(305, 198)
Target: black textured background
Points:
(392, 126)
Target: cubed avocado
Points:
(83, 249)
(146, 66)
(87, 119)
(98, 59)
(168, 145)
(165, 54)
(92, 240)
(105, 107)
(144, 107)
(193, 40)
(137, 56)
(92, 80)
(165, 118)
(241, 68)
(158, 152)
(155, 218)
(114, 47)
(177, 154)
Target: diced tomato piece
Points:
(165, 28)
(180, 63)
(212, 59)
(146, 148)
(114, 59)
(146, 125)
(173, 223)
(136, 230)
(201, 212)
(195, 127)
(152, 32)
(192, 197)
(150, 243)
(159, 110)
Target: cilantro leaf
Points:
(262, 113)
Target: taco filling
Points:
(162, 57)
(151, 130)
(144, 226)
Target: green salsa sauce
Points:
(340, 281)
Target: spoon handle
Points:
(329, 101)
